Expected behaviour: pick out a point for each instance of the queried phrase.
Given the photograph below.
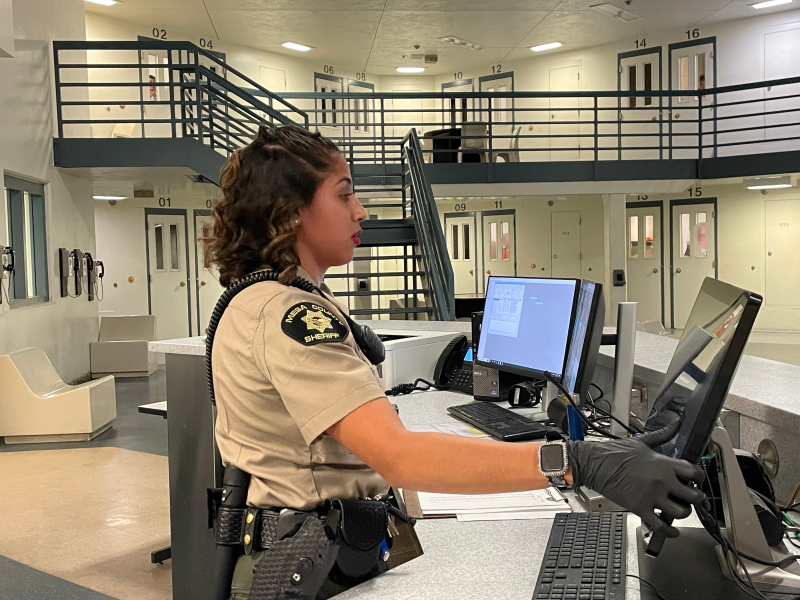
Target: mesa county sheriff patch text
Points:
(310, 324)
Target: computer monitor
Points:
(526, 324)
(703, 366)
(584, 345)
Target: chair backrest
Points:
(513, 143)
(480, 130)
(122, 130)
(35, 369)
(128, 328)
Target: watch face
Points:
(552, 457)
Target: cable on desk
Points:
(648, 584)
(407, 388)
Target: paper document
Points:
(514, 515)
(549, 499)
(459, 428)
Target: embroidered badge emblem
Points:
(316, 320)
(310, 324)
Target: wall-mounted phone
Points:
(454, 368)
(6, 267)
(95, 269)
(71, 266)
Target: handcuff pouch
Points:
(362, 528)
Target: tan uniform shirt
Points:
(286, 368)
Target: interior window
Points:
(648, 83)
(466, 241)
(686, 236)
(158, 232)
(455, 242)
(700, 71)
(683, 75)
(173, 246)
(632, 85)
(492, 241)
(649, 238)
(702, 239)
(506, 242)
(26, 234)
(633, 247)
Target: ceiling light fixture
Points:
(103, 2)
(770, 3)
(550, 46)
(298, 47)
(410, 69)
(769, 183)
(616, 12)
(109, 197)
(451, 39)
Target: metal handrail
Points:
(430, 235)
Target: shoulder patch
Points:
(311, 324)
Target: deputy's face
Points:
(329, 226)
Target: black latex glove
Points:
(637, 478)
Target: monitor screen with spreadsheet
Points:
(527, 323)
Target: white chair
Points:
(37, 406)
(474, 146)
(123, 130)
(512, 154)
(121, 349)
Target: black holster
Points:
(233, 495)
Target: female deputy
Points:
(300, 407)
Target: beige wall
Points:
(63, 327)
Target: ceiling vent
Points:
(616, 12)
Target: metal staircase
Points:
(182, 109)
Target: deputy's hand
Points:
(637, 478)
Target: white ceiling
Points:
(373, 35)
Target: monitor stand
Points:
(693, 566)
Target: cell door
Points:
(639, 116)
(781, 49)
(460, 233)
(502, 109)
(565, 244)
(207, 286)
(458, 110)
(329, 110)
(168, 273)
(362, 119)
(565, 114)
(693, 255)
(692, 69)
(782, 236)
(499, 244)
(645, 261)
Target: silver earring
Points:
(297, 221)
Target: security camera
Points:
(628, 2)
(416, 46)
(765, 192)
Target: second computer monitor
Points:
(526, 324)
(584, 345)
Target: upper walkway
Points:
(127, 105)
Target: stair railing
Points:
(430, 236)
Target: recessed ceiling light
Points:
(298, 47)
(549, 46)
(451, 39)
(616, 12)
(103, 2)
(770, 3)
(109, 197)
(410, 69)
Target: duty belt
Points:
(256, 529)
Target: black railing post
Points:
(57, 74)
(171, 93)
(596, 133)
(198, 97)
(669, 127)
(141, 91)
(490, 135)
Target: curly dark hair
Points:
(264, 186)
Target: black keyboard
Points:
(499, 422)
(461, 381)
(585, 558)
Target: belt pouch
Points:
(295, 567)
(362, 527)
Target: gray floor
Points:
(132, 431)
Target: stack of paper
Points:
(534, 504)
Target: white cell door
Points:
(329, 110)
(640, 115)
(781, 51)
(207, 286)
(502, 116)
(460, 232)
(499, 245)
(458, 110)
(168, 285)
(644, 267)
(565, 114)
(692, 70)
(693, 256)
(565, 244)
(782, 236)
(362, 119)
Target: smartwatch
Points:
(553, 461)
